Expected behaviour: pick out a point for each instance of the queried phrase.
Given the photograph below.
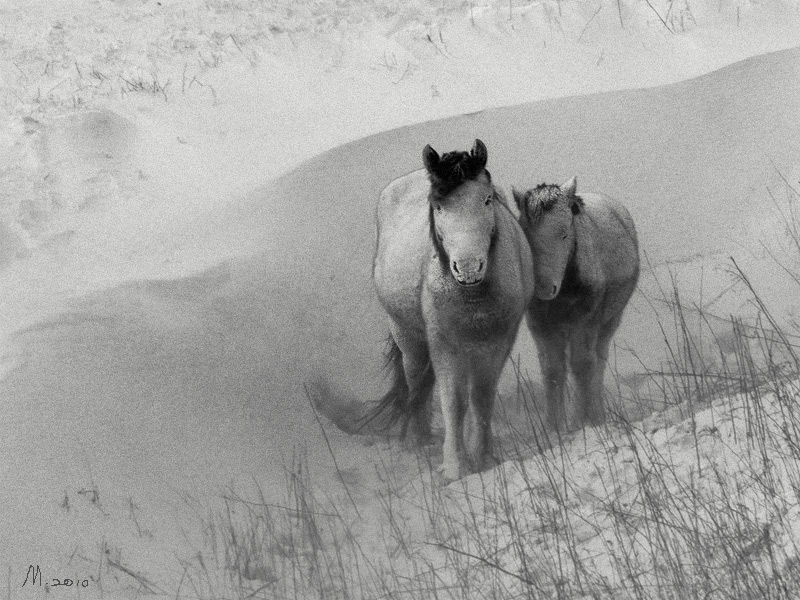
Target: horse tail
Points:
(398, 404)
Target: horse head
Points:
(462, 216)
(547, 215)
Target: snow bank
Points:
(165, 297)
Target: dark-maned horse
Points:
(454, 273)
(586, 265)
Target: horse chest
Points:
(468, 315)
(565, 307)
(569, 307)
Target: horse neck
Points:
(437, 245)
(572, 272)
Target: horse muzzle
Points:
(547, 291)
(468, 272)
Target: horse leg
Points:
(419, 374)
(419, 379)
(552, 347)
(585, 364)
(482, 390)
(453, 397)
(603, 343)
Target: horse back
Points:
(403, 246)
(608, 247)
(404, 195)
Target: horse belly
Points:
(398, 285)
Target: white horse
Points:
(586, 264)
(454, 273)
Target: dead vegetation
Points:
(699, 499)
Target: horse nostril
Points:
(554, 290)
(480, 266)
(455, 267)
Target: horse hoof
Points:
(450, 472)
(425, 441)
(490, 461)
(422, 438)
(484, 463)
(597, 417)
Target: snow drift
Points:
(164, 384)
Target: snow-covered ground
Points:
(147, 360)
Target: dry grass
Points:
(700, 499)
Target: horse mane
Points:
(543, 198)
(453, 169)
(441, 253)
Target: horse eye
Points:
(488, 200)
(439, 207)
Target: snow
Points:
(167, 271)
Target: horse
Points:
(586, 267)
(454, 273)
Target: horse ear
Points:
(479, 151)
(430, 158)
(569, 186)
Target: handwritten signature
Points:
(34, 577)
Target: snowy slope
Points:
(694, 162)
(164, 299)
(204, 375)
